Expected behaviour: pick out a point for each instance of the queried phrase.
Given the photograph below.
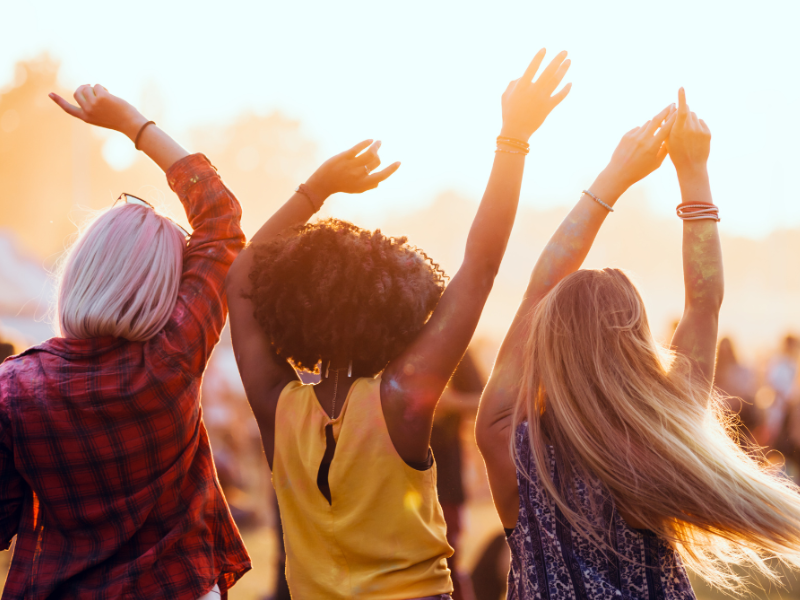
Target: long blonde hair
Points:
(618, 408)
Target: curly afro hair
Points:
(332, 289)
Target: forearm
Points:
(702, 253)
(572, 241)
(492, 226)
(155, 143)
(297, 210)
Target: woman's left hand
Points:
(351, 171)
(641, 151)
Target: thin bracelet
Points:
(303, 190)
(139, 135)
(506, 150)
(600, 202)
(513, 142)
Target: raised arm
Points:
(263, 374)
(641, 151)
(212, 210)
(97, 106)
(413, 382)
(696, 335)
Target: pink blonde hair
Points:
(121, 276)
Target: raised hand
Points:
(689, 141)
(351, 171)
(526, 103)
(97, 106)
(642, 150)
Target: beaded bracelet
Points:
(303, 190)
(600, 202)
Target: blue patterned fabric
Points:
(549, 561)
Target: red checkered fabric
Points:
(106, 474)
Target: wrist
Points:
(132, 125)
(609, 186)
(692, 174)
(516, 134)
(317, 186)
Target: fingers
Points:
(357, 148)
(704, 126)
(66, 106)
(561, 94)
(666, 128)
(559, 75)
(553, 67)
(683, 108)
(662, 153)
(373, 164)
(527, 77)
(369, 156)
(83, 95)
(658, 120)
(375, 178)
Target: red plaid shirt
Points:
(106, 475)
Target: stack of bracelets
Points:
(512, 145)
(696, 212)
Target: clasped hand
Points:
(674, 131)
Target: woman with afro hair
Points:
(350, 457)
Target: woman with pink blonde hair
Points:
(106, 474)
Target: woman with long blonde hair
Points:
(610, 459)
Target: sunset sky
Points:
(426, 78)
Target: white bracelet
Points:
(596, 199)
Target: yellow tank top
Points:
(383, 535)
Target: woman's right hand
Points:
(689, 142)
(351, 171)
(526, 103)
(97, 106)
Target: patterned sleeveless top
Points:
(549, 561)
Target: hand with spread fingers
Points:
(526, 103)
(97, 106)
(689, 141)
(642, 150)
(351, 172)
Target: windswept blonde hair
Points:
(121, 277)
(619, 408)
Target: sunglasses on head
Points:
(131, 199)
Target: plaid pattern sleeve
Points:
(214, 214)
(12, 486)
(106, 473)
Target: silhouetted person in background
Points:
(738, 385)
(459, 402)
